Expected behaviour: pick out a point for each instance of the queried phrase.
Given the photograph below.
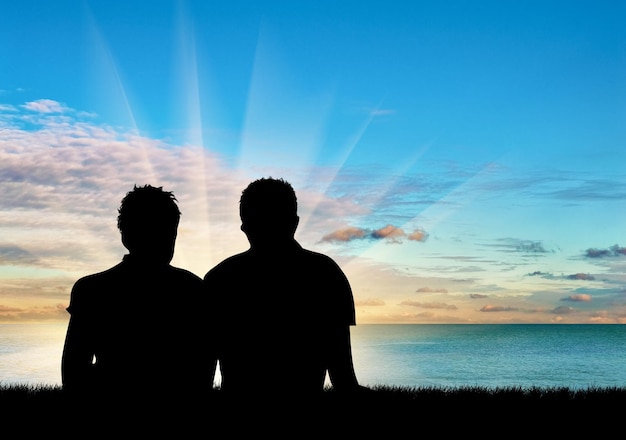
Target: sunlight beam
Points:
(108, 64)
(198, 210)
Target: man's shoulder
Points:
(234, 262)
(112, 273)
(93, 287)
(185, 274)
(121, 272)
(318, 258)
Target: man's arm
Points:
(78, 352)
(340, 365)
(211, 283)
(77, 358)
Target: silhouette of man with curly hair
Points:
(133, 331)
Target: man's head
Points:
(148, 221)
(269, 211)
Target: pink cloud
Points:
(581, 297)
(418, 235)
(346, 234)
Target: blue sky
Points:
(462, 161)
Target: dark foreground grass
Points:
(381, 412)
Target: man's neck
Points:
(276, 247)
(144, 260)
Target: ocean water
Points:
(526, 355)
(31, 353)
(574, 356)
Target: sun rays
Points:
(402, 164)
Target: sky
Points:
(463, 162)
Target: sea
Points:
(407, 355)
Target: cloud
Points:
(14, 255)
(431, 290)
(478, 296)
(563, 310)
(492, 308)
(613, 251)
(581, 276)
(327, 208)
(429, 305)
(389, 232)
(531, 247)
(418, 235)
(517, 245)
(581, 297)
(538, 273)
(593, 190)
(62, 179)
(35, 287)
(369, 302)
(45, 106)
(608, 320)
(347, 234)
(62, 176)
(39, 313)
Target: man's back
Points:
(277, 316)
(139, 321)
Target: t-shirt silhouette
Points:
(142, 324)
(275, 317)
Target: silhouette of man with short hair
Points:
(282, 313)
(133, 331)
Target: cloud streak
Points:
(581, 276)
(388, 232)
(578, 298)
(431, 290)
(429, 305)
(613, 251)
(497, 309)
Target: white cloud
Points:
(63, 182)
(45, 106)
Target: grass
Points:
(12, 395)
(384, 411)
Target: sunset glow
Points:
(462, 162)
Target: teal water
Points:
(526, 355)
(559, 355)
